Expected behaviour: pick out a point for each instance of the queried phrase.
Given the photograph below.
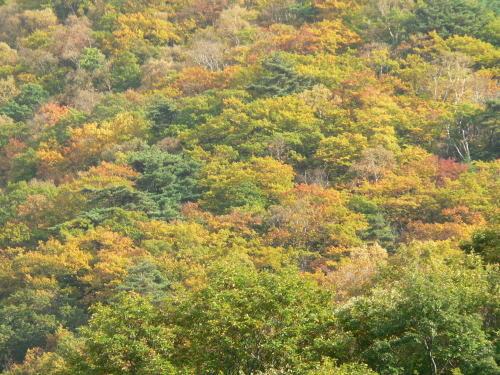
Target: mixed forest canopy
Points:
(249, 187)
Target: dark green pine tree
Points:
(21, 107)
(168, 179)
(146, 279)
(161, 111)
(450, 17)
(486, 243)
(379, 230)
(278, 79)
(120, 196)
(487, 130)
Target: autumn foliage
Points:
(249, 187)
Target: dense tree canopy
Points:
(249, 187)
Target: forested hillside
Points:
(249, 187)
